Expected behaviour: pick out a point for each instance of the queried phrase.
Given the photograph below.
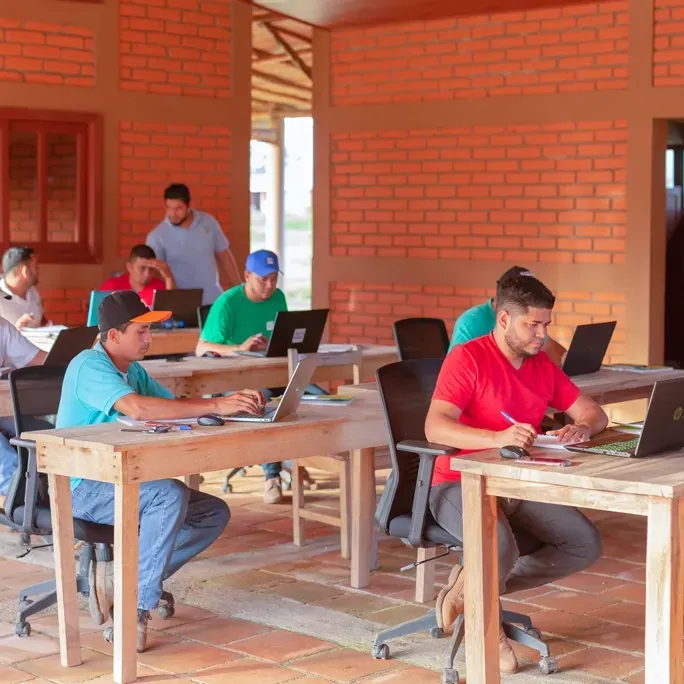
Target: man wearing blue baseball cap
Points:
(242, 319)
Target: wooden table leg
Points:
(664, 592)
(482, 580)
(126, 512)
(65, 570)
(425, 575)
(362, 481)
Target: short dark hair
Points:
(177, 191)
(15, 257)
(121, 328)
(142, 252)
(520, 293)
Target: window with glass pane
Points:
(50, 184)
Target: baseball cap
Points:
(516, 272)
(126, 307)
(263, 263)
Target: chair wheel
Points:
(449, 676)
(108, 635)
(22, 629)
(436, 632)
(166, 611)
(534, 633)
(227, 488)
(381, 652)
(548, 666)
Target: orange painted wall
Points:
(175, 107)
(451, 150)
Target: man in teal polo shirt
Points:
(480, 320)
(176, 523)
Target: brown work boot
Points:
(450, 600)
(143, 618)
(272, 491)
(101, 590)
(508, 663)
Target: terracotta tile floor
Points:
(593, 621)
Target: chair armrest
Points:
(18, 442)
(31, 491)
(423, 448)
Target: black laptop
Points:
(182, 304)
(300, 330)
(588, 348)
(69, 343)
(663, 428)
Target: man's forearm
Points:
(204, 346)
(456, 434)
(594, 419)
(139, 407)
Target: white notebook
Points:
(550, 442)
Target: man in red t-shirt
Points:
(506, 371)
(140, 275)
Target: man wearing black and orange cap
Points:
(176, 523)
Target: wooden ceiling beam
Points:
(260, 93)
(271, 58)
(268, 16)
(277, 80)
(292, 53)
(293, 34)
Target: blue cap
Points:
(263, 263)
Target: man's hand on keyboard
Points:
(248, 400)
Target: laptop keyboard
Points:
(627, 446)
(244, 414)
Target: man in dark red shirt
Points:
(506, 372)
(140, 275)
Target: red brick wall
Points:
(23, 194)
(553, 192)
(577, 48)
(175, 47)
(36, 52)
(66, 306)
(365, 312)
(152, 155)
(668, 43)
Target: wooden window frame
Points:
(88, 129)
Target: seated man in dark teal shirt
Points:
(480, 320)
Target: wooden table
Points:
(605, 387)
(104, 453)
(652, 487)
(193, 377)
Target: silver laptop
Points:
(289, 402)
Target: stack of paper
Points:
(550, 442)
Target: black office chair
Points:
(35, 392)
(202, 314)
(406, 388)
(421, 338)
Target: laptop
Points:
(96, 297)
(288, 402)
(588, 348)
(70, 343)
(182, 304)
(300, 330)
(663, 428)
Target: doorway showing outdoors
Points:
(281, 209)
(281, 177)
(674, 225)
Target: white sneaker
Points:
(272, 492)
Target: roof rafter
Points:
(291, 52)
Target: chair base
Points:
(518, 628)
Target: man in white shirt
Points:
(15, 352)
(23, 308)
(194, 246)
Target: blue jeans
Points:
(8, 454)
(176, 524)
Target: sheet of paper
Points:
(549, 442)
(140, 423)
(44, 330)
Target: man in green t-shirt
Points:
(480, 320)
(242, 319)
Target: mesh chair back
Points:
(35, 392)
(421, 338)
(406, 389)
(202, 314)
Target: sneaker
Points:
(143, 618)
(508, 663)
(450, 601)
(272, 492)
(101, 590)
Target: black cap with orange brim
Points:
(126, 307)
